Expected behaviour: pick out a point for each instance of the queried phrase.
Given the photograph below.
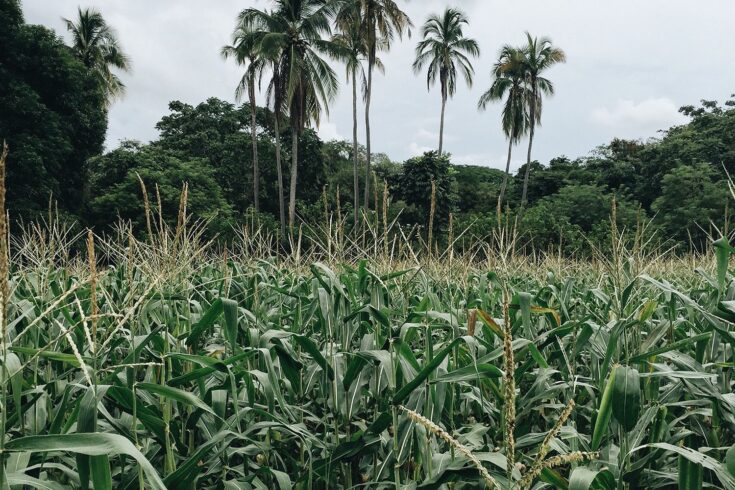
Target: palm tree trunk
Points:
(254, 137)
(294, 175)
(532, 117)
(279, 175)
(441, 124)
(368, 95)
(356, 182)
(501, 197)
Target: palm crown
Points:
(293, 36)
(509, 82)
(96, 45)
(539, 55)
(446, 51)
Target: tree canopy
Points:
(52, 115)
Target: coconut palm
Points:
(275, 94)
(350, 38)
(96, 45)
(380, 22)
(539, 55)
(445, 50)
(293, 36)
(244, 49)
(509, 83)
(253, 29)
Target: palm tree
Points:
(275, 93)
(96, 45)
(380, 22)
(509, 82)
(244, 50)
(445, 49)
(351, 40)
(539, 55)
(293, 36)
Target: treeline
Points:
(678, 182)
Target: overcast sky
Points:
(631, 64)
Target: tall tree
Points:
(95, 43)
(352, 40)
(539, 55)
(244, 50)
(294, 36)
(275, 94)
(446, 50)
(52, 115)
(509, 82)
(381, 21)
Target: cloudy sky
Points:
(631, 64)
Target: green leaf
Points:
(101, 477)
(626, 403)
(604, 412)
(231, 323)
(674, 346)
(90, 444)
(309, 346)
(70, 359)
(730, 460)
(21, 479)
(470, 373)
(206, 322)
(176, 394)
(695, 457)
(586, 479)
(722, 253)
(425, 372)
(187, 470)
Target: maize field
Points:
(155, 365)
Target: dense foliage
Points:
(52, 114)
(671, 180)
(227, 373)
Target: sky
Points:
(630, 65)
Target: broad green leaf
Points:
(176, 394)
(97, 444)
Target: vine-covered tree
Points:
(414, 188)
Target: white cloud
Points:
(415, 149)
(483, 159)
(327, 131)
(425, 134)
(647, 115)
